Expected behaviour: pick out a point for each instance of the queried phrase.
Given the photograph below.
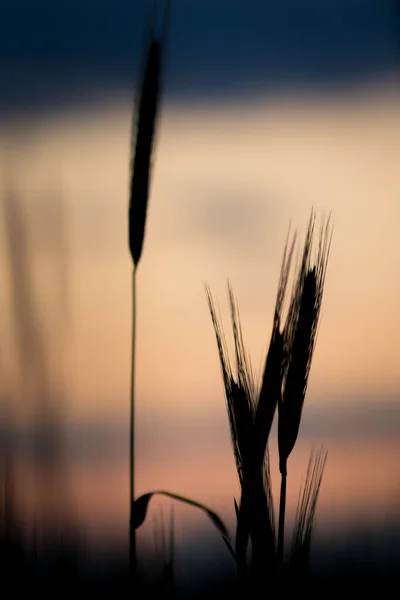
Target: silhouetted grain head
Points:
(240, 402)
(284, 278)
(271, 386)
(142, 144)
(243, 366)
(305, 513)
(296, 293)
(298, 370)
(239, 391)
(299, 338)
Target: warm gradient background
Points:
(267, 111)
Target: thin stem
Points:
(281, 530)
(132, 530)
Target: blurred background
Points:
(268, 109)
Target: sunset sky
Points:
(254, 130)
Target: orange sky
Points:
(227, 181)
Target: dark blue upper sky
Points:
(52, 52)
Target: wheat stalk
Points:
(239, 392)
(299, 342)
(270, 392)
(251, 413)
(141, 153)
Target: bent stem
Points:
(282, 509)
(132, 530)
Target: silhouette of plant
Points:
(143, 131)
(299, 342)
(251, 412)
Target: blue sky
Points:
(68, 52)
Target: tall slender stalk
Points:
(132, 529)
(143, 133)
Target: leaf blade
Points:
(140, 507)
